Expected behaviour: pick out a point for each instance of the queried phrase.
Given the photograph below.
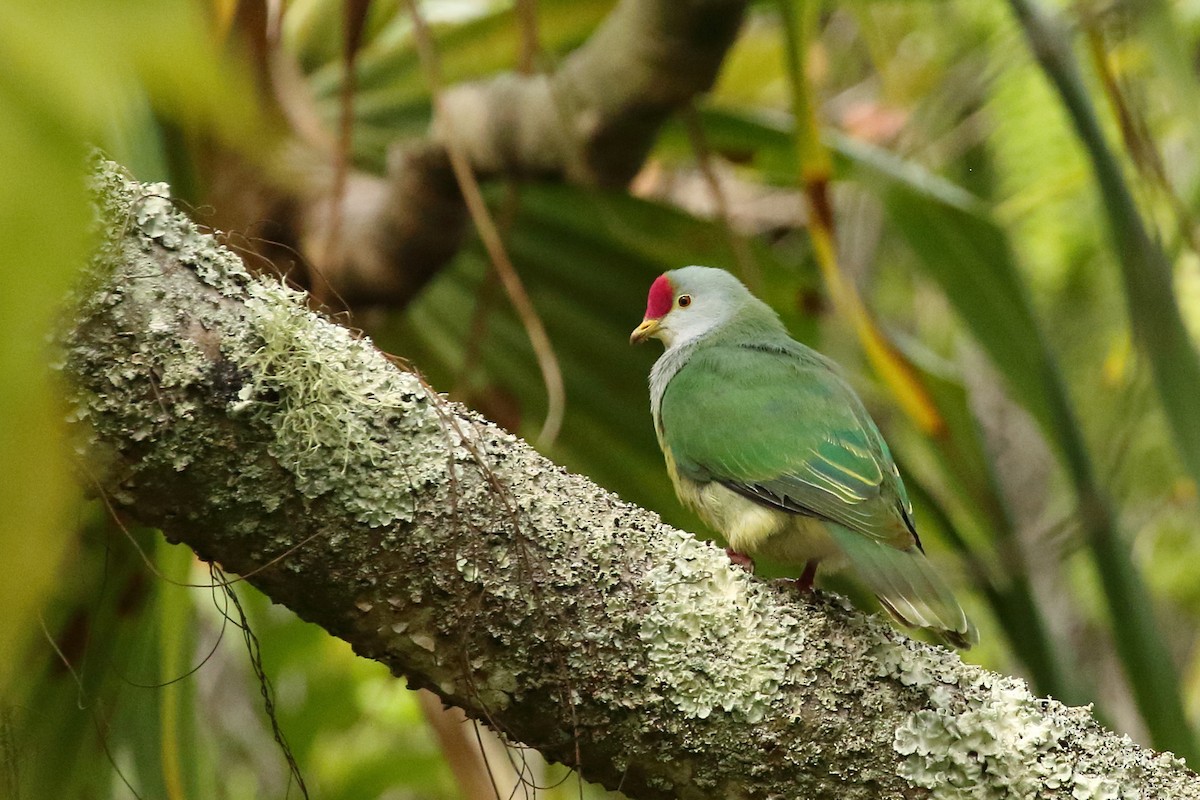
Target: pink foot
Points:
(805, 582)
(741, 560)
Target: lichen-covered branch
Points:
(216, 406)
(592, 120)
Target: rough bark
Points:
(217, 407)
(592, 120)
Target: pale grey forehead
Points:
(697, 278)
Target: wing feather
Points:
(778, 425)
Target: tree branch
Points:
(593, 120)
(216, 406)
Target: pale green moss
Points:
(306, 373)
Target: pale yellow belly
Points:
(756, 530)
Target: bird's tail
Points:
(907, 586)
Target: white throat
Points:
(685, 325)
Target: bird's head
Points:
(686, 303)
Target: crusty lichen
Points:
(302, 372)
(985, 737)
(139, 352)
(730, 654)
(1002, 747)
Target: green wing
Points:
(777, 424)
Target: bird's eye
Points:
(684, 300)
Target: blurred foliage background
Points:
(1012, 282)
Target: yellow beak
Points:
(644, 331)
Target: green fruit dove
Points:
(774, 450)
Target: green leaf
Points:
(963, 249)
(1158, 329)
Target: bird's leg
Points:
(740, 559)
(805, 582)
